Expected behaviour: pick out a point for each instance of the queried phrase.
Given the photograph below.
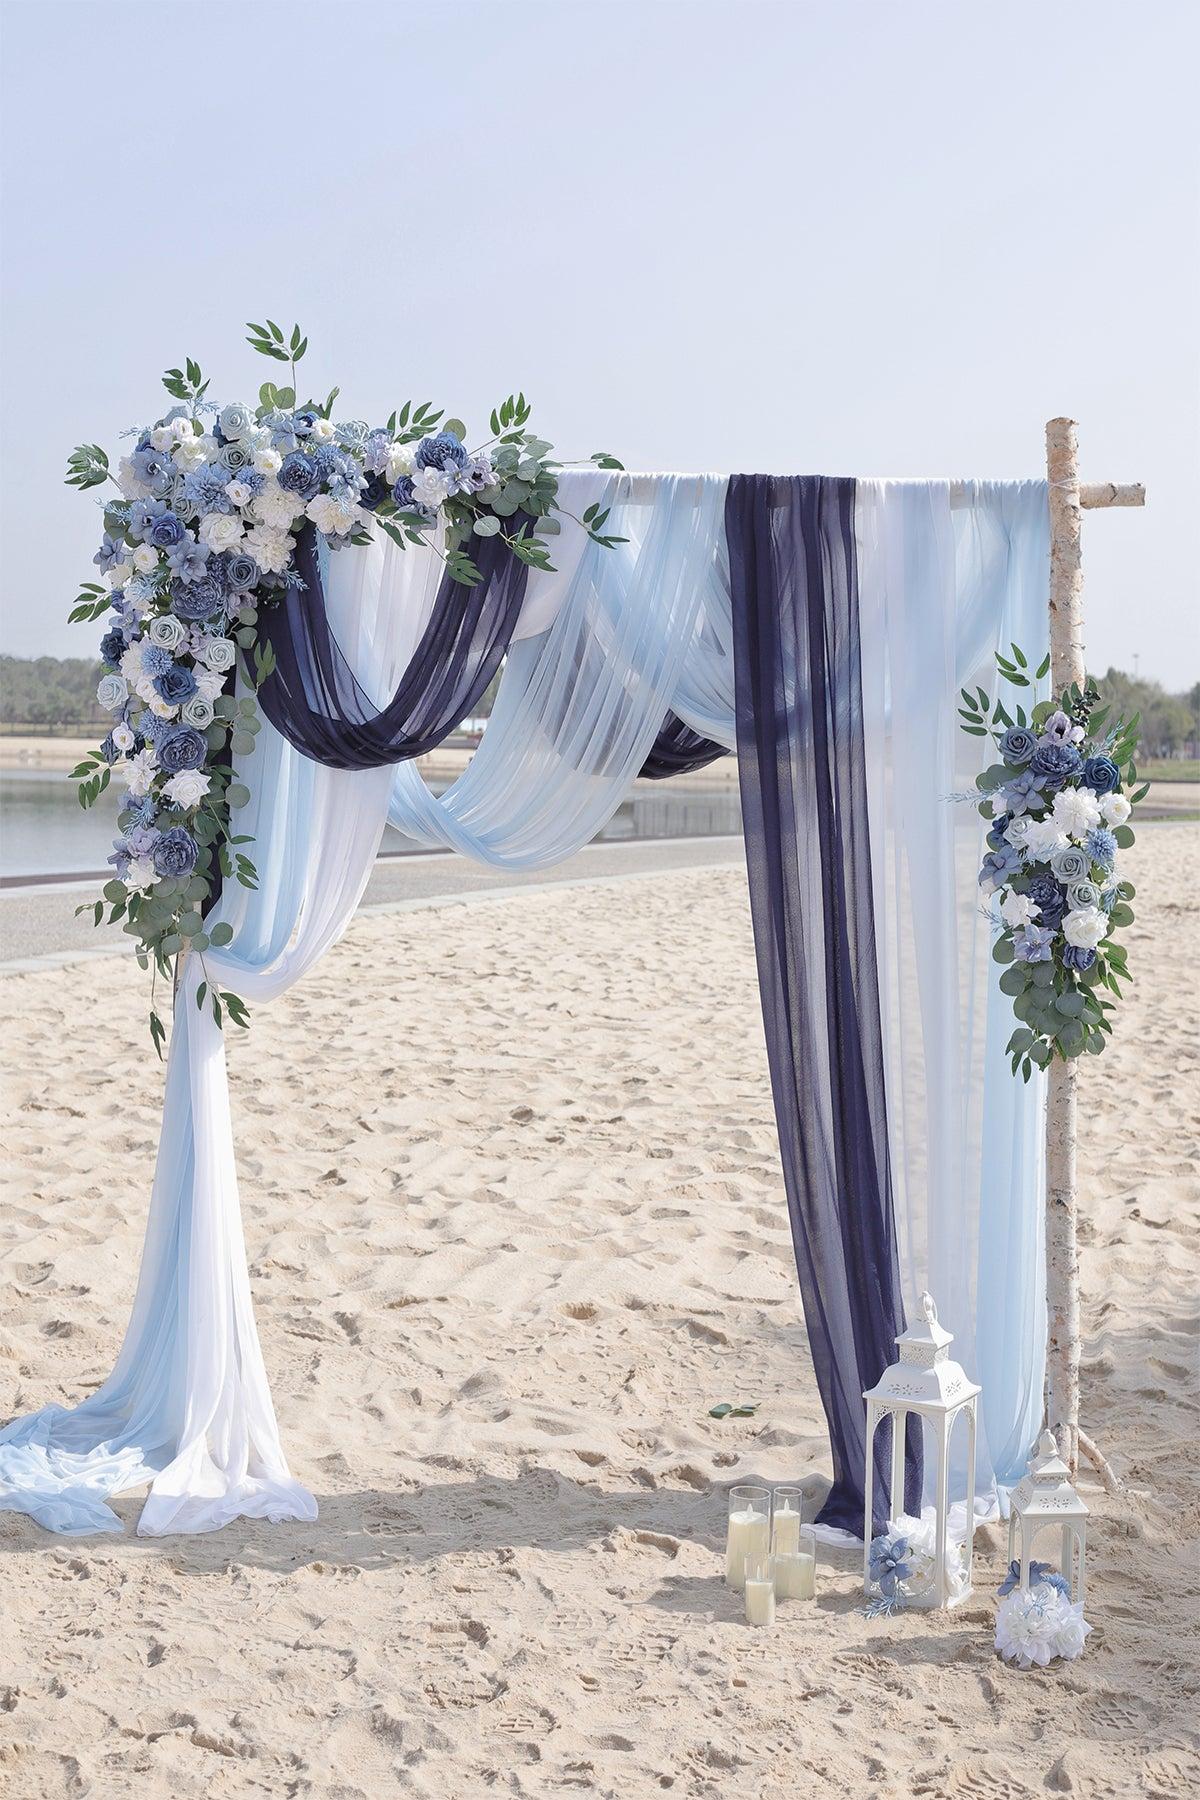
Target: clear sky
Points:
(855, 237)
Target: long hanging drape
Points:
(824, 628)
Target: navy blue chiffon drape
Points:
(802, 775)
(314, 700)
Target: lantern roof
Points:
(1046, 1490)
(925, 1375)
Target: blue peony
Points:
(445, 451)
(205, 488)
(112, 646)
(1018, 744)
(175, 685)
(1101, 846)
(187, 558)
(298, 476)
(1056, 763)
(197, 599)
(1075, 956)
(183, 747)
(1049, 898)
(175, 853)
(1035, 944)
(167, 531)
(1101, 774)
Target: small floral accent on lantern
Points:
(1037, 1624)
(902, 1566)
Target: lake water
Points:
(45, 831)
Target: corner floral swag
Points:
(1058, 806)
(198, 545)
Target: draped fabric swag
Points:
(820, 627)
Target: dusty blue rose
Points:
(235, 420)
(182, 748)
(1082, 895)
(175, 685)
(1055, 762)
(1071, 865)
(1075, 956)
(175, 853)
(167, 531)
(1017, 745)
(1101, 774)
(241, 571)
(112, 646)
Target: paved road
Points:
(37, 924)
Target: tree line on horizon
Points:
(53, 692)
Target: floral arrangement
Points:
(1058, 805)
(198, 544)
(902, 1564)
(1034, 1625)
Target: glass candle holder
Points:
(749, 1531)
(796, 1570)
(760, 1588)
(787, 1509)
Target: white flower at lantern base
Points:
(1035, 1625)
(927, 1382)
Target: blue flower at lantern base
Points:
(889, 1568)
(1038, 1571)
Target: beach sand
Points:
(515, 1221)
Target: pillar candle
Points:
(795, 1575)
(760, 1602)
(749, 1535)
(787, 1530)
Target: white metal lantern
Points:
(1045, 1497)
(925, 1381)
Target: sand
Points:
(516, 1222)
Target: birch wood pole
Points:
(1068, 498)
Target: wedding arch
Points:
(819, 627)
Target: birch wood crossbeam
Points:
(1093, 494)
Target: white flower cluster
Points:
(1035, 1625)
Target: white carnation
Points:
(1115, 809)
(221, 531)
(1076, 811)
(400, 461)
(333, 516)
(1086, 928)
(276, 507)
(140, 773)
(271, 550)
(131, 663)
(186, 789)
(1044, 838)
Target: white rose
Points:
(120, 573)
(1115, 809)
(239, 493)
(123, 738)
(399, 462)
(267, 461)
(1017, 909)
(221, 531)
(1086, 928)
(210, 447)
(182, 430)
(430, 487)
(209, 683)
(322, 431)
(187, 789)
(271, 550)
(145, 559)
(188, 454)
(142, 874)
(1076, 811)
(163, 438)
(159, 707)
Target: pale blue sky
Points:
(847, 238)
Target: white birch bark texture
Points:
(1062, 1251)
